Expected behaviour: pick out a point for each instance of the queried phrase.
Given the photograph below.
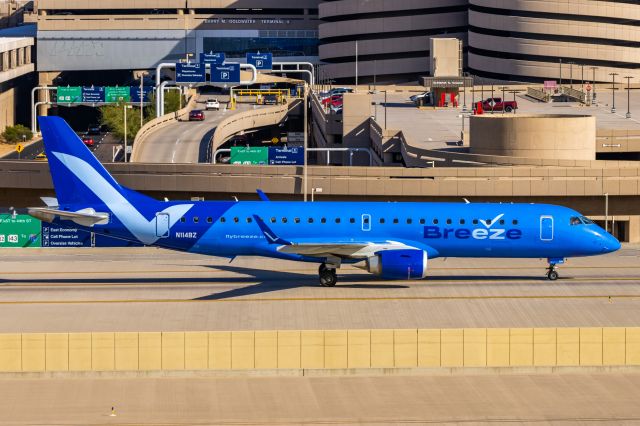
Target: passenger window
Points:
(223, 220)
(435, 221)
(352, 220)
(310, 220)
(381, 220)
(501, 221)
(475, 221)
(488, 221)
(323, 220)
(273, 220)
(337, 220)
(209, 220)
(236, 220)
(449, 221)
(396, 220)
(462, 221)
(296, 220)
(196, 219)
(515, 221)
(409, 221)
(183, 219)
(366, 220)
(249, 220)
(284, 220)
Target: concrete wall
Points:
(446, 57)
(7, 108)
(560, 137)
(381, 28)
(320, 349)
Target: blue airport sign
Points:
(228, 73)
(262, 61)
(190, 73)
(59, 236)
(135, 94)
(213, 58)
(93, 95)
(286, 156)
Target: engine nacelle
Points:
(399, 264)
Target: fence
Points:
(328, 349)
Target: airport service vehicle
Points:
(213, 104)
(196, 115)
(392, 240)
(41, 157)
(496, 104)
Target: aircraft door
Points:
(366, 222)
(162, 225)
(546, 228)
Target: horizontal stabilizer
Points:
(85, 217)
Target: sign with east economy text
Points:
(117, 94)
(19, 231)
(286, 156)
(262, 61)
(249, 155)
(190, 73)
(93, 95)
(146, 94)
(213, 58)
(69, 95)
(228, 73)
(60, 236)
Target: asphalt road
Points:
(185, 141)
(147, 289)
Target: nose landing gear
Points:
(328, 276)
(552, 274)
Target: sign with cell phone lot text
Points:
(117, 94)
(213, 58)
(19, 231)
(286, 156)
(190, 73)
(228, 73)
(58, 236)
(262, 61)
(93, 95)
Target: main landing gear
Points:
(328, 276)
(552, 274)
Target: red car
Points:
(88, 141)
(196, 115)
(497, 104)
(329, 101)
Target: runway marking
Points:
(609, 298)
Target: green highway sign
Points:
(117, 94)
(19, 231)
(249, 156)
(69, 94)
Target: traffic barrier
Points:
(320, 349)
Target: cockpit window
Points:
(581, 220)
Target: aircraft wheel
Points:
(552, 275)
(328, 278)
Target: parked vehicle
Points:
(270, 100)
(87, 141)
(497, 104)
(213, 104)
(425, 98)
(196, 115)
(94, 129)
(330, 100)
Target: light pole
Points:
(606, 211)
(560, 62)
(306, 144)
(125, 108)
(613, 91)
(356, 66)
(628, 96)
(571, 74)
(142, 74)
(464, 83)
(503, 99)
(594, 83)
(385, 109)
(582, 66)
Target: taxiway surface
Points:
(148, 289)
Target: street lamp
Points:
(571, 74)
(594, 83)
(613, 91)
(503, 88)
(315, 191)
(628, 96)
(306, 142)
(464, 83)
(560, 62)
(142, 74)
(606, 211)
(125, 108)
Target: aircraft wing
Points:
(85, 217)
(328, 248)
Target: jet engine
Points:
(405, 264)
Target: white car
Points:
(213, 104)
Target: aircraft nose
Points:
(610, 243)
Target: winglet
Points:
(262, 195)
(271, 236)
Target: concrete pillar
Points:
(633, 230)
(5, 61)
(13, 59)
(45, 79)
(27, 54)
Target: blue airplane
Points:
(392, 240)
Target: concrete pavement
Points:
(74, 290)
